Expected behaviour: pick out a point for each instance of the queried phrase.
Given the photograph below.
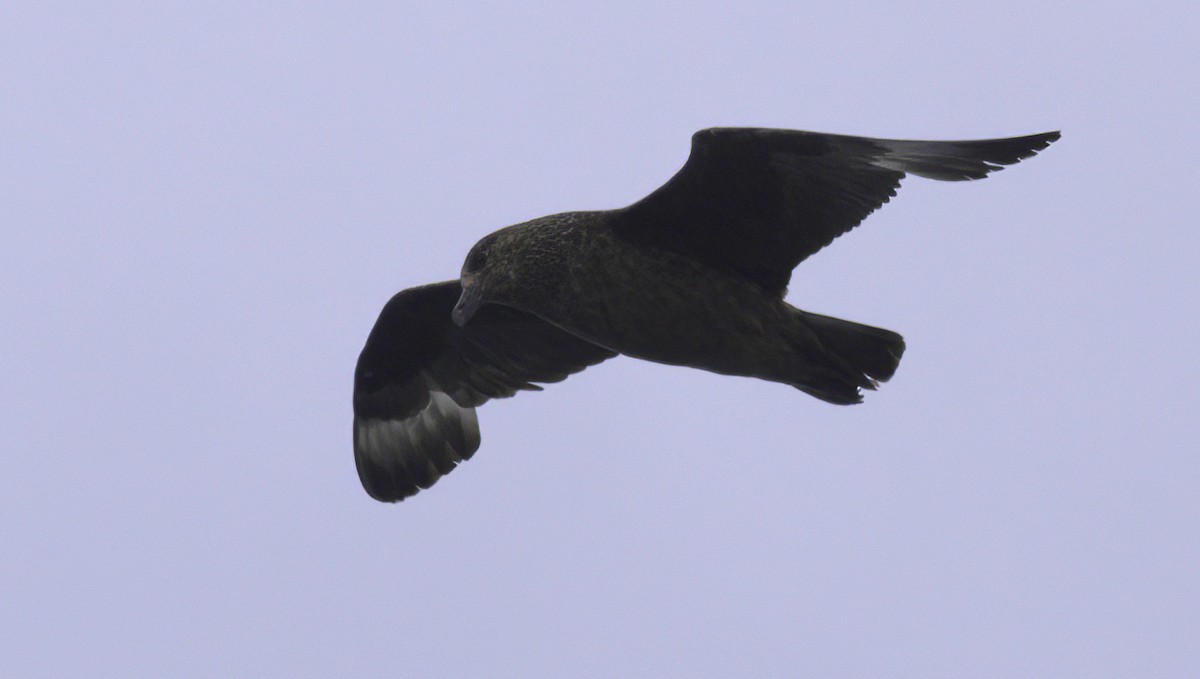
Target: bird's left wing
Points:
(756, 202)
(420, 376)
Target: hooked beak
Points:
(468, 303)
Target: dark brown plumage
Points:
(694, 274)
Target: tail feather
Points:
(861, 356)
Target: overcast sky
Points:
(203, 207)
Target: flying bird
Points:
(694, 274)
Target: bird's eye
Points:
(476, 260)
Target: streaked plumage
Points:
(694, 274)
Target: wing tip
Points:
(961, 160)
(397, 458)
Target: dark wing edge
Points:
(756, 202)
(420, 376)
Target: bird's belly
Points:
(666, 308)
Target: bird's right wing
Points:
(420, 376)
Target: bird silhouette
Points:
(694, 274)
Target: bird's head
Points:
(485, 276)
(517, 266)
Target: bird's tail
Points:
(859, 357)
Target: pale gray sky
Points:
(205, 205)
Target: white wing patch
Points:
(426, 445)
